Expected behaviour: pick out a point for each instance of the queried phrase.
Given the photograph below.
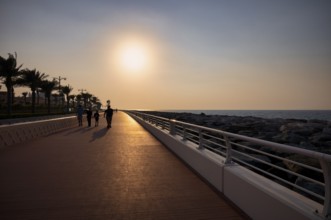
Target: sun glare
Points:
(133, 57)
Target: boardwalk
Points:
(95, 173)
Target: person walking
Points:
(96, 117)
(80, 112)
(89, 116)
(109, 115)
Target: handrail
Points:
(236, 149)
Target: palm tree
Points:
(96, 102)
(55, 98)
(94, 99)
(9, 71)
(33, 79)
(79, 99)
(86, 98)
(66, 90)
(47, 87)
(38, 95)
(72, 98)
(24, 95)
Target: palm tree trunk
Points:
(49, 104)
(33, 101)
(67, 104)
(12, 95)
(37, 97)
(9, 99)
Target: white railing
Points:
(263, 157)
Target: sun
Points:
(133, 58)
(133, 55)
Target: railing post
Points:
(200, 139)
(326, 167)
(172, 127)
(184, 133)
(228, 159)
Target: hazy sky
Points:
(199, 54)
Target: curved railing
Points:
(292, 167)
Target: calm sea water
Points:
(287, 114)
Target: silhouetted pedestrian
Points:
(109, 115)
(80, 112)
(89, 116)
(96, 117)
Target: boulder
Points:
(310, 186)
(254, 162)
(327, 131)
(292, 138)
(307, 145)
(301, 159)
(320, 138)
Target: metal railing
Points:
(304, 171)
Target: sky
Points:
(178, 54)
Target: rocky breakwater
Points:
(308, 134)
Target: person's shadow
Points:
(99, 134)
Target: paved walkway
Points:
(95, 173)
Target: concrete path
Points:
(95, 173)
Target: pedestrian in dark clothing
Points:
(109, 115)
(80, 112)
(89, 116)
(96, 117)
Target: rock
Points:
(307, 145)
(290, 126)
(248, 133)
(301, 159)
(266, 135)
(216, 124)
(316, 127)
(300, 128)
(326, 147)
(289, 138)
(280, 173)
(310, 186)
(321, 137)
(317, 121)
(304, 131)
(254, 162)
(327, 131)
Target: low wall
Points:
(259, 197)
(21, 132)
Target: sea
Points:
(285, 114)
